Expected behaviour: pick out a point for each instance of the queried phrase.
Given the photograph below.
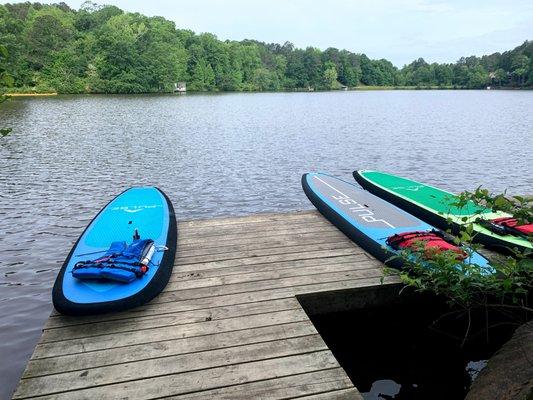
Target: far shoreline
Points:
(298, 90)
(31, 94)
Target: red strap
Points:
(433, 243)
(513, 223)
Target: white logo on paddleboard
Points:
(360, 210)
(134, 209)
(410, 188)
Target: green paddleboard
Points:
(434, 206)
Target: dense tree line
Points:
(102, 49)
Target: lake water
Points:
(224, 154)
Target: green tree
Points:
(330, 75)
(265, 79)
(312, 63)
(203, 76)
(460, 75)
(5, 82)
(163, 58)
(369, 74)
(350, 72)
(280, 69)
(477, 77)
(48, 30)
(119, 63)
(443, 74)
(63, 72)
(91, 16)
(424, 75)
(420, 73)
(386, 72)
(530, 72)
(247, 60)
(297, 75)
(500, 76)
(519, 65)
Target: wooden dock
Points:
(229, 325)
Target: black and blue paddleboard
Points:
(365, 218)
(144, 212)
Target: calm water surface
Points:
(227, 154)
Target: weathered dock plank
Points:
(228, 325)
(198, 380)
(329, 381)
(47, 366)
(232, 299)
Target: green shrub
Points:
(466, 286)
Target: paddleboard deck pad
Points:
(366, 219)
(434, 206)
(143, 210)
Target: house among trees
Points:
(180, 87)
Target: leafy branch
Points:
(520, 207)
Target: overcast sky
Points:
(398, 30)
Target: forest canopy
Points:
(102, 49)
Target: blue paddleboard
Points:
(365, 218)
(145, 210)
